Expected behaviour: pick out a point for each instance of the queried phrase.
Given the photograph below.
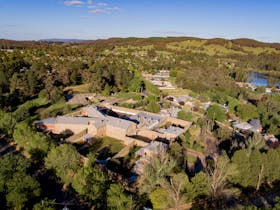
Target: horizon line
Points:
(137, 37)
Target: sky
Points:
(95, 19)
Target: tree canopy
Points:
(65, 161)
(215, 112)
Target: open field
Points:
(84, 88)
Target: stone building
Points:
(93, 121)
(137, 125)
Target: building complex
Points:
(128, 125)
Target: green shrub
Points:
(183, 115)
(216, 112)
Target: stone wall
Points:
(75, 128)
(77, 137)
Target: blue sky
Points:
(93, 19)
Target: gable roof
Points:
(93, 112)
(117, 122)
(73, 120)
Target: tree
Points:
(178, 186)
(155, 173)
(44, 204)
(20, 189)
(247, 111)
(178, 190)
(152, 105)
(216, 112)
(36, 144)
(256, 142)
(272, 167)
(269, 111)
(232, 104)
(160, 198)
(184, 115)
(223, 133)
(91, 182)
(10, 165)
(7, 123)
(3, 82)
(199, 186)
(118, 199)
(255, 167)
(277, 203)
(176, 152)
(33, 82)
(17, 186)
(65, 161)
(107, 90)
(219, 178)
(241, 76)
(53, 92)
(136, 85)
(250, 168)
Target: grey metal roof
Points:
(97, 122)
(73, 120)
(94, 118)
(149, 120)
(155, 147)
(242, 125)
(93, 112)
(117, 122)
(149, 116)
(171, 130)
(47, 121)
(255, 123)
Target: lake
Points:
(261, 79)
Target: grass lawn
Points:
(115, 144)
(129, 95)
(151, 89)
(58, 108)
(78, 88)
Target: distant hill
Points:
(159, 41)
(63, 40)
(165, 40)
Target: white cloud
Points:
(74, 3)
(113, 8)
(97, 11)
(102, 4)
(92, 6)
(89, 2)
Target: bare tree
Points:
(219, 175)
(178, 185)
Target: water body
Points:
(261, 79)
